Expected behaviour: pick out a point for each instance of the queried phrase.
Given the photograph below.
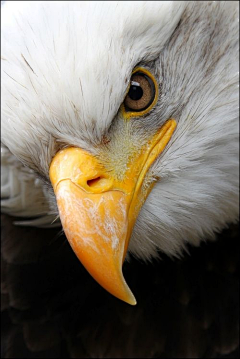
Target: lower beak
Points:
(98, 212)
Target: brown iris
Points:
(141, 93)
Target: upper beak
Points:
(98, 211)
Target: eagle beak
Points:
(98, 211)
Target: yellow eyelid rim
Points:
(129, 114)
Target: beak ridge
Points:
(97, 233)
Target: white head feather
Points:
(65, 70)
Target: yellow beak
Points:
(98, 211)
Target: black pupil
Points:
(135, 92)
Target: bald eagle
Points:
(121, 118)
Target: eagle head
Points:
(128, 112)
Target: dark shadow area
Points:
(52, 308)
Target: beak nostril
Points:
(100, 183)
(93, 182)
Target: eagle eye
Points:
(142, 93)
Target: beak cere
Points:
(98, 212)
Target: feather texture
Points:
(64, 78)
(22, 194)
(66, 67)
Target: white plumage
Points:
(66, 67)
